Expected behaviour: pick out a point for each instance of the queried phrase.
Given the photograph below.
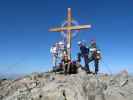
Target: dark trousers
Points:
(86, 60)
(66, 68)
(96, 63)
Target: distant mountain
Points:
(11, 76)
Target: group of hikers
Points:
(61, 62)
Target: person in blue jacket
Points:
(84, 51)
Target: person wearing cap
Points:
(62, 50)
(61, 45)
(94, 55)
(84, 51)
(54, 52)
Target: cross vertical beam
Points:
(69, 37)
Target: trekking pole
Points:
(108, 68)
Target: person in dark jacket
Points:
(84, 51)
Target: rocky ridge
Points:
(81, 86)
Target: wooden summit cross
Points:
(69, 29)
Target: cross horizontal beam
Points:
(78, 27)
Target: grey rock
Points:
(51, 86)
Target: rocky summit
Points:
(81, 86)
